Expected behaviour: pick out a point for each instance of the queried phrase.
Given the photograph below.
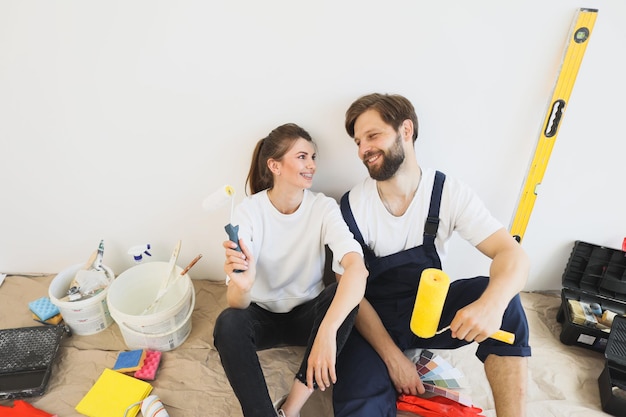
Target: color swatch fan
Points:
(439, 377)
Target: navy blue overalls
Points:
(363, 387)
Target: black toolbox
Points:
(612, 380)
(593, 275)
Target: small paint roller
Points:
(431, 295)
(217, 199)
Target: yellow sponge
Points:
(52, 320)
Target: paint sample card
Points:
(450, 394)
(432, 367)
(439, 376)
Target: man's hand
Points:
(476, 322)
(404, 376)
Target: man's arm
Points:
(401, 369)
(507, 276)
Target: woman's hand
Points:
(321, 363)
(238, 294)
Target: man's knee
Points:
(363, 385)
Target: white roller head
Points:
(218, 198)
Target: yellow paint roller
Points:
(431, 295)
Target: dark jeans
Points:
(240, 333)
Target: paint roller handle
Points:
(504, 336)
(501, 335)
(233, 235)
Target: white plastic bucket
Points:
(162, 328)
(84, 317)
(161, 320)
(163, 342)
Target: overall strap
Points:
(432, 221)
(430, 227)
(346, 211)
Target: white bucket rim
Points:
(152, 318)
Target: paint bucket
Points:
(168, 340)
(84, 317)
(168, 324)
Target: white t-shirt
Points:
(289, 248)
(461, 210)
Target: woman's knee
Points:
(326, 297)
(229, 325)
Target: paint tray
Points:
(26, 358)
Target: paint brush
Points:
(174, 282)
(191, 264)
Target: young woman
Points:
(275, 293)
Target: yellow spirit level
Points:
(579, 34)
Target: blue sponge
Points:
(130, 361)
(43, 308)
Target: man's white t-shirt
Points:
(289, 249)
(461, 211)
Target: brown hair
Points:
(394, 109)
(274, 146)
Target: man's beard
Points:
(392, 159)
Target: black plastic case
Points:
(612, 380)
(594, 274)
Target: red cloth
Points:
(436, 406)
(23, 409)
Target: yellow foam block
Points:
(52, 320)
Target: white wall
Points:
(118, 117)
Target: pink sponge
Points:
(150, 366)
